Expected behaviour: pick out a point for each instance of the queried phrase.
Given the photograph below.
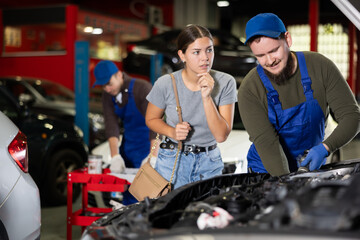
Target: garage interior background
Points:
(335, 36)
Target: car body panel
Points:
(23, 213)
(20, 210)
(12, 174)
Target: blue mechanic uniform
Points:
(135, 143)
(299, 128)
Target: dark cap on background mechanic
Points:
(264, 24)
(103, 72)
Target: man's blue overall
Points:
(135, 143)
(299, 128)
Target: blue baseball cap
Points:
(103, 72)
(264, 24)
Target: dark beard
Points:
(284, 75)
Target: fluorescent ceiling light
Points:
(223, 3)
(88, 29)
(97, 31)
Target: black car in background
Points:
(231, 55)
(46, 97)
(55, 148)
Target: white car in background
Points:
(20, 211)
(234, 150)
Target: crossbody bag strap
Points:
(157, 140)
(178, 107)
(178, 110)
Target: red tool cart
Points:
(90, 182)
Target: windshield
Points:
(53, 91)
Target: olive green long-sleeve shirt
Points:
(330, 90)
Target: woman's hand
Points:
(206, 83)
(181, 131)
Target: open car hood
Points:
(318, 205)
(351, 9)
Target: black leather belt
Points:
(168, 144)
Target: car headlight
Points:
(97, 121)
(79, 131)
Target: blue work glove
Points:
(316, 157)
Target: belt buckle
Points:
(191, 148)
(187, 149)
(196, 149)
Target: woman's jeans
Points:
(189, 168)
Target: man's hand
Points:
(316, 157)
(117, 164)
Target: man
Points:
(124, 98)
(284, 102)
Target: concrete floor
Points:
(53, 221)
(54, 218)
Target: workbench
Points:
(86, 215)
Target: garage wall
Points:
(202, 12)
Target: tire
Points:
(55, 184)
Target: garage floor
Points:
(54, 218)
(54, 223)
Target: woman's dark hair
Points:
(189, 34)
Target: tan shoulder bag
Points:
(148, 182)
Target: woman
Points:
(207, 100)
